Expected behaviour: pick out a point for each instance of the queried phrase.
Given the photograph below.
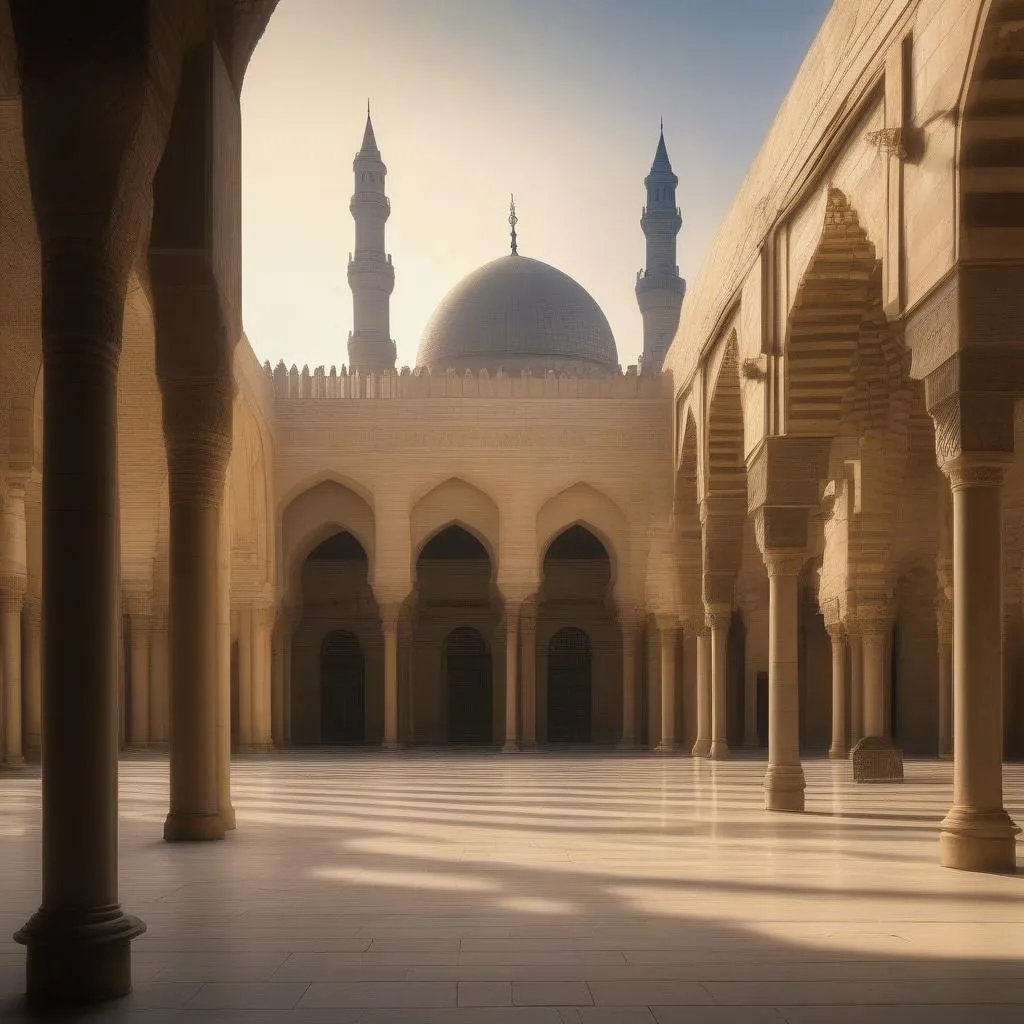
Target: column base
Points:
(33, 752)
(391, 745)
(13, 762)
(838, 753)
(78, 959)
(193, 828)
(877, 759)
(719, 750)
(666, 747)
(972, 841)
(945, 755)
(510, 747)
(784, 788)
(227, 815)
(701, 748)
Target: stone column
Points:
(528, 640)
(13, 585)
(757, 628)
(277, 683)
(246, 735)
(225, 807)
(702, 746)
(389, 624)
(197, 430)
(261, 684)
(33, 681)
(856, 688)
(288, 679)
(784, 781)
(652, 668)
(668, 625)
(11, 592)
(839, 748)
(78, 940)
(138, 672)
(629, 645)
(159, 709)
(719, 618)
(945, 636)
(977, 834)
(873, 633)
(511, 744)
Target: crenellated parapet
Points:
(337, 385)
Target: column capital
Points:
(666, 621)
(784, 561)
(390, 613)
(837, 632)
(718, 616)
(976, 470)
(693, 621)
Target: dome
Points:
(518, 313)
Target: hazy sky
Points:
(555, 100)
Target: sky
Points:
(558, 101)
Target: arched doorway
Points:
(569, 687)
(342, 689)
(467, 666)
(337, 652)
(579, 693)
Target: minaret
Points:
(370, 273)
(659, 288)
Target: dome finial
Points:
(513, 221)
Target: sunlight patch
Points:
(404, 879)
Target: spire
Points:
(513, 221)
(661, 160)
(369, 142)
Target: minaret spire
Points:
(371, 275)
(659, 288)
(513, 220)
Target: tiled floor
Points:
(424, 887)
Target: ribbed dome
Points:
(516, 312)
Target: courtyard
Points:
(544, 888)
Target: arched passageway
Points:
(454, 686)
(569, 687)
(579, 679)
(337, 660)
(467, 667)
(342, 689)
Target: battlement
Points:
(340, 385)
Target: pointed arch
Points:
(584, 505)
(319, 512)
(455, 502)
(825, 322)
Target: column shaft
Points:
(33, 688)
(159, 698)
(839, 748)
(873, 667)
(702, 745)
(856, 690)
(784, 780)
(390, 628)
(667, 629)
(261, 684)
(945, 696)
(528, 636)
(225, 807)
(720, 620)
(10, 641)
(511, 677)
(977, 833)
(193, 610)
(246, 736)
(629, 632)
(138, 678)
(277, 685)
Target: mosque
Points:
(797, 524)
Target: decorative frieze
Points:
(321, 384)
